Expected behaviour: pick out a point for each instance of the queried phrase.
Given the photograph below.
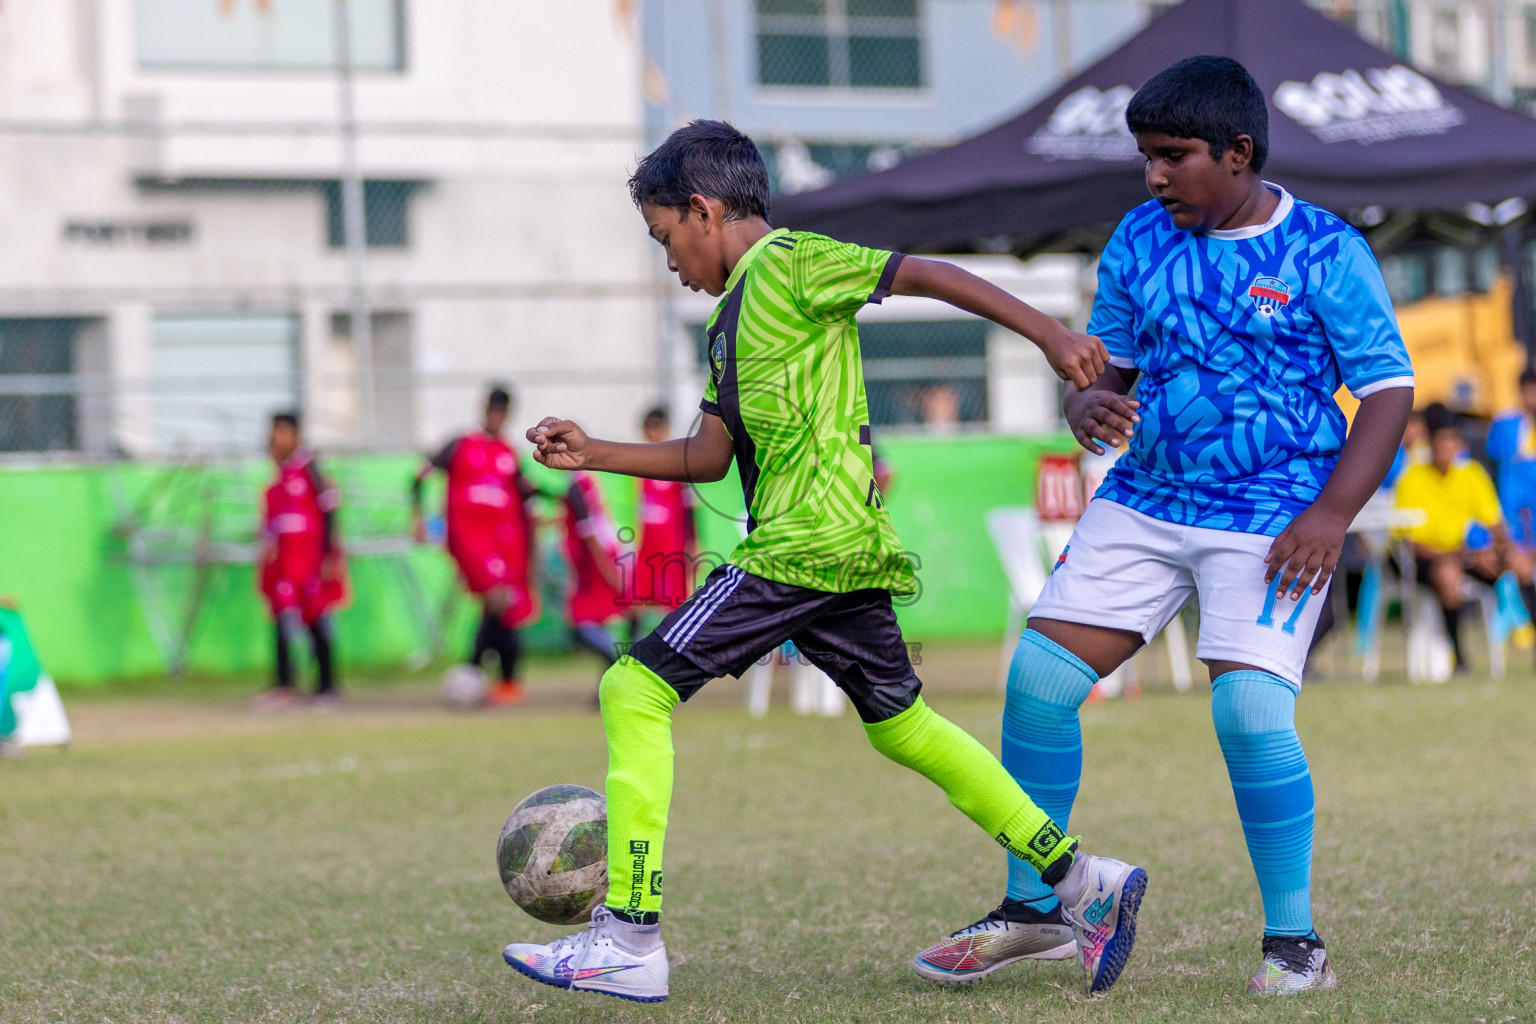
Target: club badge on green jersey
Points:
(717, 360)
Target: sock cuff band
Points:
(1253, 675)
(1057, 869)
(639, 917)
(1050, 647)
(627, 673)
(1249, 702)
(879, 731)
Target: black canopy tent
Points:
(1352, 129)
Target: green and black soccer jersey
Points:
(787, 378)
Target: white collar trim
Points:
(1282, 210)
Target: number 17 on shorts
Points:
(1126, 570)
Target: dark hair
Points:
(1210, 98)
(1437, 418)
(286, 419)
(657, 414)
(707, 158)
(1528, 376)
(499, 398)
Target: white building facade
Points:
(172, 257)
(172, 229)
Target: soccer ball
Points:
(464, 686)
(553, 854)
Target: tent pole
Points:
(1402, 45)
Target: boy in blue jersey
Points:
(1512, 446)
(1236, 311)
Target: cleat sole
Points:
(942, 977)
(529, 972)
(1065, 951)
(623, 995)
(1328, 981)
(1118, 949)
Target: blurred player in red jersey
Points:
(664, 567)
(490, 536)
(302, 569)
(595, 595)
(885, 474)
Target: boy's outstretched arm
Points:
(1076, 357)
(1308, 549)
(561, 444)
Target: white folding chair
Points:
(811, 691)
(1027, 554)
(759, 684)
(1430, 656)
(1380, 524)
(1015, 534)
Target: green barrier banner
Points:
(65, 555)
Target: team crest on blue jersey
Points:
(1269, 294)
(717, 359)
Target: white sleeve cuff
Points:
(1382, 385)
(1123, 362)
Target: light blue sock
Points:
(1255, 722)
(1043, 742)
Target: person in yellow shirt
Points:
(1456, 495)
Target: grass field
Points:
(185, 861)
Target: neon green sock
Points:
(637, 717)
(973, 780)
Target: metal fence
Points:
(921, 375)
(176, 321)
(168, 282)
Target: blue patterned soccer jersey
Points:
(1241, 339)
(1512, 444)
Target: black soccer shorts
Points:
(737, 618)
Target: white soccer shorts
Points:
(1125, 570)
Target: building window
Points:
(266, 35)
(394, 380)
(1407, 277)
(217, 379)
(1528, 36)
(861, 44)
(1445, 42)
(37, 385)
(386, 205)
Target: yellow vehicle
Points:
(1464, 350)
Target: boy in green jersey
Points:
(785, 401)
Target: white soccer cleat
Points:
(1293, 965)
(1011, 933)
(592, 961)
(1100, 898)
